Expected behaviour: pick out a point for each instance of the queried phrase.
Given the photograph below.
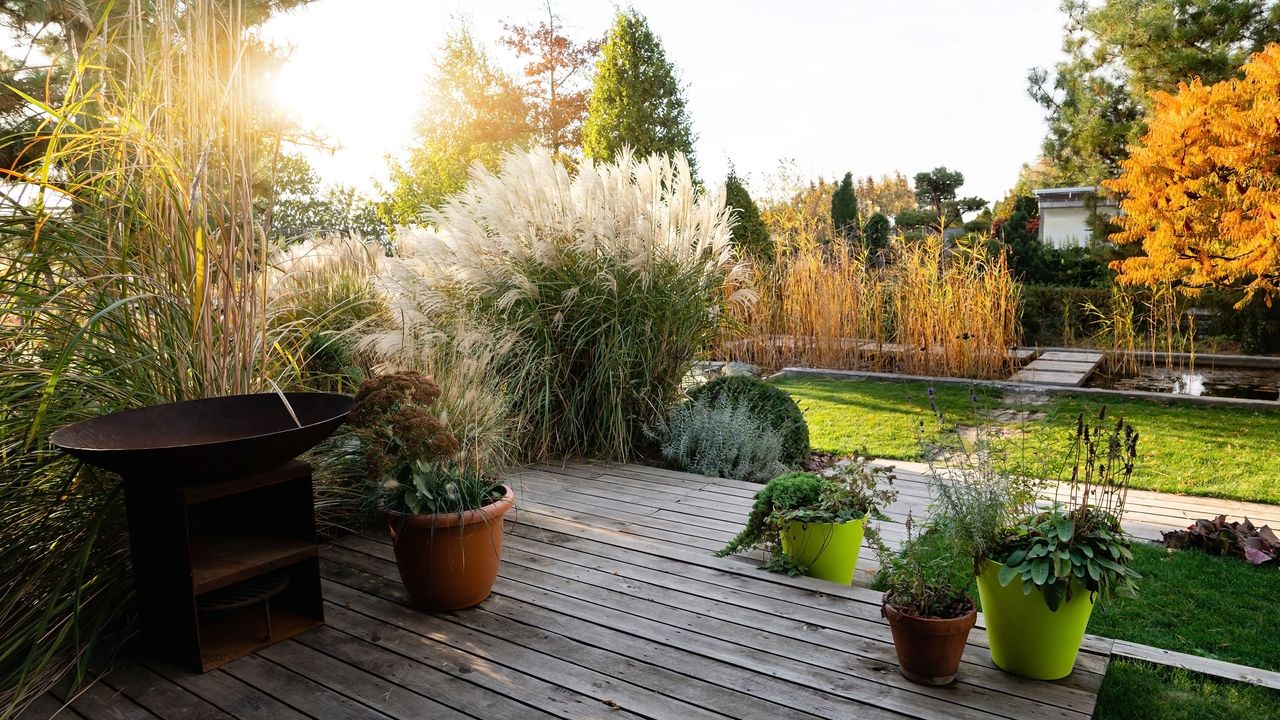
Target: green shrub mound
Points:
(776, 410)
(720, 436)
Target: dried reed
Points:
(918, 309)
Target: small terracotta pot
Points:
(929, 649)
(449, 562)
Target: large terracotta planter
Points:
(830, 550)
(929, 649)
(1026, 637)
(449, 562)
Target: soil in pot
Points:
(1026, 637)
(829, 549)
(449, 562)
(929, 649)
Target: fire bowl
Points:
(214, 438)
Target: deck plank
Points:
(609, 605)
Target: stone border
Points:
(1163, 398)
(1211, 359)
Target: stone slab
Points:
(1049, 378)
(1089, 356)
(1061, 366)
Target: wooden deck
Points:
(609, 605)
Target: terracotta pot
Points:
(449, 562)
(929, 649)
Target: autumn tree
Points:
(1118, 52)
(886, 195)
(1201, 191)
(637, 100)
(474, 113)
(801, 219)
(749, 233)
(844, 208)
(557, 79)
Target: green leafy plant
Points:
(409, 453)
(852, 490)
(1079, 543)
(721, 436)
(925, 577)
(773, 406)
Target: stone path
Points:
(1059, 367)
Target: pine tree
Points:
(637, 100)
(1118, 52)
(844, 208)
(749, 233)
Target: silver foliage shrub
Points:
(721, 437)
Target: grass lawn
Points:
(1196, 603)
(1137, 691)
(1225, 452)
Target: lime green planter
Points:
(1026, 637)
(829, 549)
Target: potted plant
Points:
(1040, 582)
(445, 517)
(814, 523)
(926, 602)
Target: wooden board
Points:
(609, 605)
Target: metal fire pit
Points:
(215, 438)
(221, 519)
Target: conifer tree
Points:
(637, 100)
(749, 233)
(876, 232)
(844, 208)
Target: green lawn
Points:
(1137, 691)
(1193, 602)
(1225, 452)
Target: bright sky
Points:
(870, 86)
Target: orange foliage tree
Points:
(1201, 191)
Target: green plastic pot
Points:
(829, 549)
(1026, 637)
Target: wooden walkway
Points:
(609, 605)
(1147, 513)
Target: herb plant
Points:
(770, 404)
(926, 578)
(852, 490)
(722, 436)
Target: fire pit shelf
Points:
(193, 544)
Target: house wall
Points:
(1067, 226)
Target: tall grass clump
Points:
(596, 290)
(916, 308)
(321, 300)
(135, 277)
(1144, 323)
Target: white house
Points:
(1065, 213)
